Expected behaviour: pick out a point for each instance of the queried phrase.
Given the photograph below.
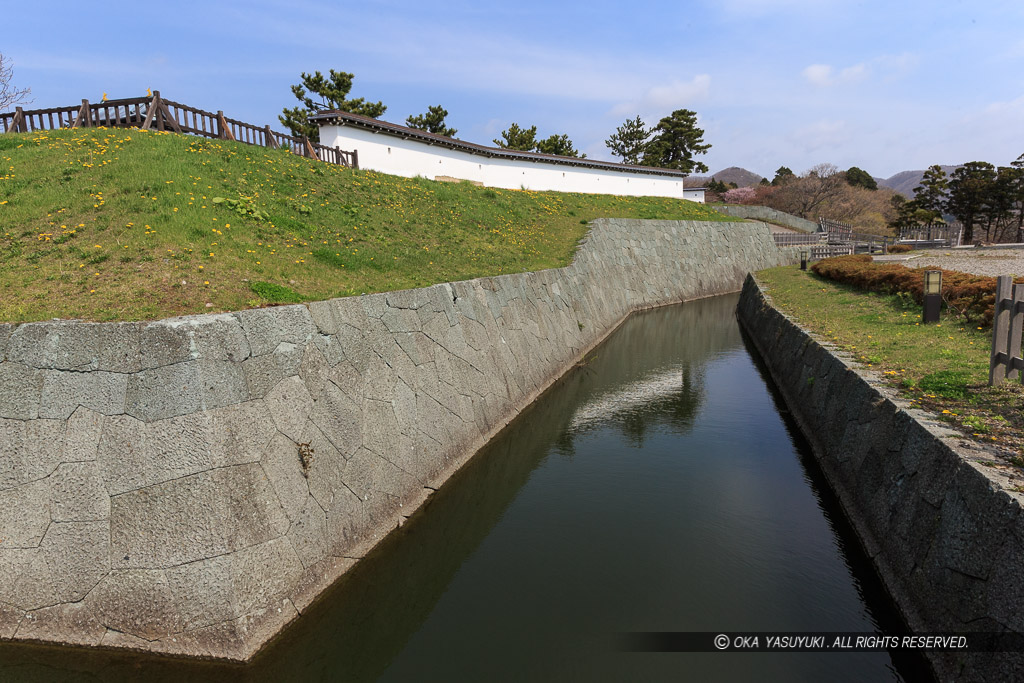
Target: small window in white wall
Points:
(389, 150)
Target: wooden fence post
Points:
(18, 124)
(84, 116)
(223, 129)
(151, 110)
(309, 148)
(999, 360)
(271, 142)
(1014, 363)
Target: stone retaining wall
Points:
(763, 213)
(943, 528)
(190, 485)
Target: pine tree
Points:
(520, 139)
(676, 139)
(332, 91)
(629, 141)
(432, 121)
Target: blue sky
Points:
(886, 86)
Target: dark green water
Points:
(656, 488)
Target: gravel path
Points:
(978, 261)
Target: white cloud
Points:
(818, 74)
(666, 98)
(823, 75)
(1012, 110)
(897, 66)
(857, 72)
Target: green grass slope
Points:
(124, 224)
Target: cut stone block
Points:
(283, 468)
(266, 328)
(165, 391)
(21, 388)
(82, 436)
(290, 405)
(138, 602)
(25, 515)
(308, 534)
(340, 418)
(77, 346)
(263, 373)
(263, 575)
(29, 450)
(203, 591)
(195, 518)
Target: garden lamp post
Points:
(932, 295)
(803, 259)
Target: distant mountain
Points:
(734, 174)
(904, 182)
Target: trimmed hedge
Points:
(971, 296)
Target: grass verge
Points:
(942, 367)
(124, 224)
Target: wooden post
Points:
(1016, 328)
(167, 119)
(355, 158)
(84, 118)
(271, 142)
(223, 129)
(309, 148)
(151, 110)
(999, 360)
(19, 121)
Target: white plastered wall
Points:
(409, 158)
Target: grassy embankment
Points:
(942, 367)
(123, 224)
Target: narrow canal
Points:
(657, 487)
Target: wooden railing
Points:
(948, 234)
(1007, 325)
(156, 113)
(793, 239)
(839, 233)
(836, 230)
(821, 251)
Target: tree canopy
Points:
(520, 139)
(432, 121)
(930, 195)
(525, 140)
(860, 178)
(717, 186)
(676, 140)
(629, 141)
(783, 175)
(333, 93)
(971, 190)
(558, 144)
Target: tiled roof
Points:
(343, 118)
